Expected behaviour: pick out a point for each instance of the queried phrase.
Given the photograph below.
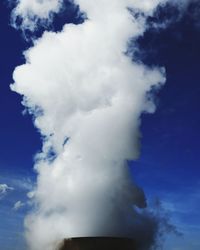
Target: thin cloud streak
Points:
(4, 189)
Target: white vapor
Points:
(4, 188)
(18, 205)
(87, 97)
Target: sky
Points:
(168, 167)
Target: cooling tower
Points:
(98, 243)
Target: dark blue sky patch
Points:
(51, 154)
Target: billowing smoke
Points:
(87, 96)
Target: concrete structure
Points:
(98, 243)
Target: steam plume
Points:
(86, 96)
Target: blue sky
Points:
(169, 164)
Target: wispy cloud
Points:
(25, 184)
(4, 188)
(18, 205)
(34, 11)
(183, 207)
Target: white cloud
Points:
(23, 184)
(4, 188)
(33, 11)
(18, 205)
(30, 195)
(36, 12)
